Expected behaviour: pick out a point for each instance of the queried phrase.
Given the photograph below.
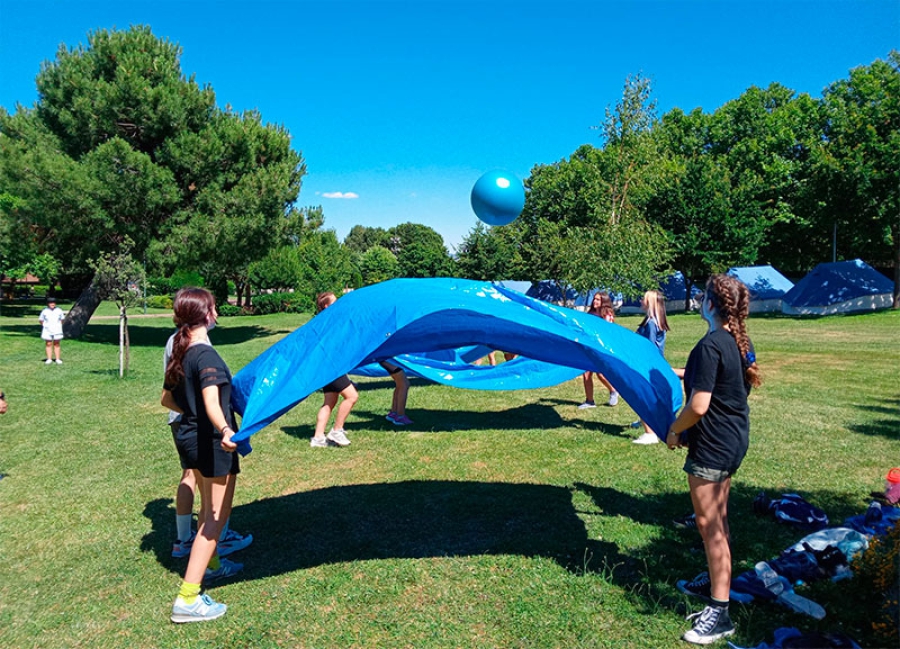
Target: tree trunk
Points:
(896, 304)
(121, 341)
(247, 291)
(688, 285)
(78, 317)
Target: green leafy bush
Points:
(229, 310)
(281, 303)
(876, 571)
(159, 302)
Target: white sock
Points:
(183, 526)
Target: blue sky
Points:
(399, 106)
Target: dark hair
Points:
(606, 306)
(324, 300)
(731, 300)
(192, 308)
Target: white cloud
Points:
(340, 195)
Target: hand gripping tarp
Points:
(422, 316)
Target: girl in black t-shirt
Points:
(198, 385)
(715, 426)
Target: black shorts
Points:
(390, 367)
(338, 385)
(206, 456)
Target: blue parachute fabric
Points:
(421, 316)
(409, 362)
(518, 374)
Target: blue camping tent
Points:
(547, 290)
(673, 287)
(839, 287)
(521, 286)
(767, 286)
(422, 316)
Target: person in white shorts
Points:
(51, 320)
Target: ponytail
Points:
(192, 308)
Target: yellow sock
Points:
(189, 592)
(214, 563)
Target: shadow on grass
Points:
(888, 427)
(107, 333)
(424, 519)
(540, 416)
(407, 520)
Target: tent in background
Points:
(515, 285)
(673, 287)
(547, 290)
(839, 287)
(767, 287)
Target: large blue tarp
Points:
(402, 319)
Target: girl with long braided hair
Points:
(715, 427)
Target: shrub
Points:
(229, 310)
(280, 303)
(876, 570)
(160, 302)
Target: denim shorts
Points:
(705, 473)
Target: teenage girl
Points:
(715, 427)
(198, 386)
(601, 305)
(654, 327)
(340, 387)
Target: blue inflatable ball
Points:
(498, 198)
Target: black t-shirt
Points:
(203, 367)
(721, 438)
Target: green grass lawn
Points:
(500, 519)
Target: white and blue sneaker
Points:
(226, 569)
(183, 548)
(203, 608)
(233, 542)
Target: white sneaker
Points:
(48, 362)
(318, 442)
(203, 608)
(613, 399)
(58, 362)
(647, 438)
(586, 405)
(338, 437)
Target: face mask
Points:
(705, 312)
(212, 326)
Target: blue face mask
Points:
(705, 312)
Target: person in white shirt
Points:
(51, 320)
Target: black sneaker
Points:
(710, 624)
(688, 522)
(699, 587)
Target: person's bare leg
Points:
(343, 411)
(588, 386)
(710, 501)
(324, 414)
(216, 496)
(401, 392)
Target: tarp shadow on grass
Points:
(539, 416)
(406, 520)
